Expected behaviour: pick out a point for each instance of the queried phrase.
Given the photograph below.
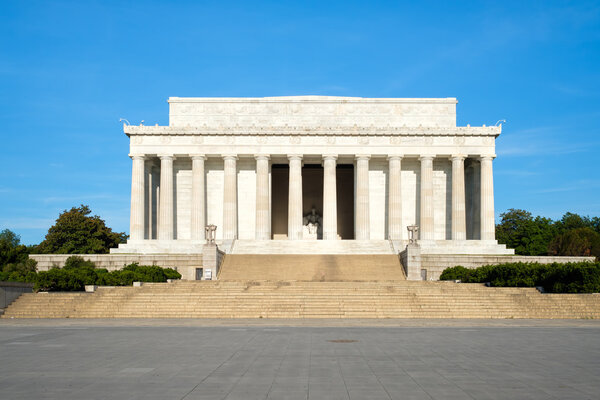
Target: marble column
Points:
(459, 218)
(362, 224)
(329, 198)
(395, 198)
(137, 217)
(230, 198)
(487, 199)
(263, 214)
(166, 216)
(426, 227)
(150, 201)
(295, 198)
(198, 207)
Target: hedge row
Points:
(582, 277)
(77, 273)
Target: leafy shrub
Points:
(582, 277)
(170, 273)
(78, 263)
(455, 273)
(78, 272)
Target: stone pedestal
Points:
(413, 262)
(210, 259)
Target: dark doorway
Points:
(345, 200)
(312, 196)
(280, 177)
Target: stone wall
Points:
(435, 264)
(117, 261)
(312, 111)
(10, 291)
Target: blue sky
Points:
(70, 69)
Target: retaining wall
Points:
(117, 261)
(436, 263)
(10, 291)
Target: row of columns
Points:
(263, 214)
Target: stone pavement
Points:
(384, 359)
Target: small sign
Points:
(208, 274)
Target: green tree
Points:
(572, 221)
(14, 262)
(576, 242)
(78, 232)
(11, 249)
(529, 236)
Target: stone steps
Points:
(324, 268)
(253, 299)
(312, 247)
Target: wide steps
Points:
(312, 267)
(312, 247)
(301, 299)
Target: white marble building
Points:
(255, 167)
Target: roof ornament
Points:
(500, 122)
(125, 122)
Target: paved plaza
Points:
(199, 359)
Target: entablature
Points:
(142, 130)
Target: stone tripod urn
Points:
(211, 232)
(413, 231)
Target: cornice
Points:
(140, 130)
(313, 100)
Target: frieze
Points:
(254, 130)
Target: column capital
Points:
(486, 157)
(426, 157)
(330, 157)
(294, 157)
(362, 156)
(198, 156)
(460, 157)
(395, 157)
(137, 156)
(229, 156)
(166, 156)
(262, 157)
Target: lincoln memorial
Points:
(315, 169)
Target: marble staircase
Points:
(312, 267)
(294, 299)
(348, 247)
